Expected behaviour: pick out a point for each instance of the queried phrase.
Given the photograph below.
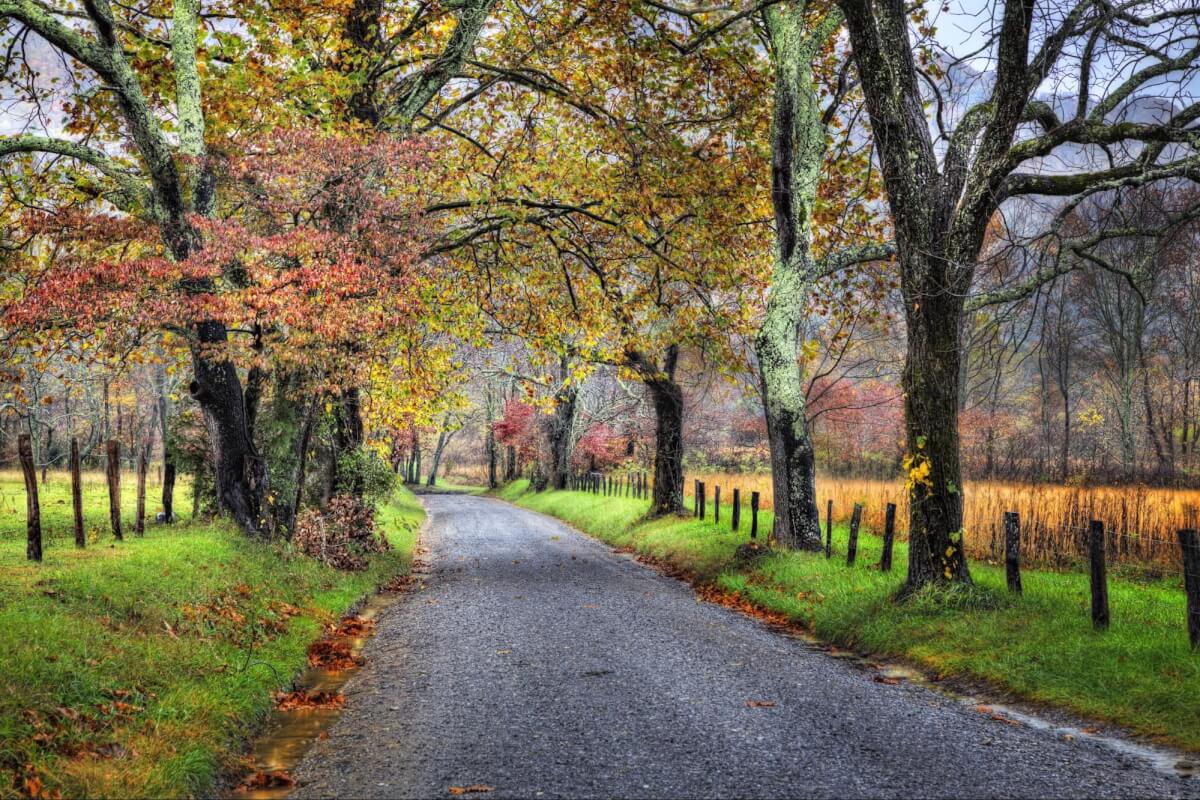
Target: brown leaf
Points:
(289, 701)
(760, 704)
(474, 788)
(268, 780)
(885, 680)
(333, 655)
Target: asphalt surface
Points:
(538, 662)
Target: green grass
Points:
(58, 521)
(189, 626)
(1140, 674)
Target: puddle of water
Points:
(289, 734)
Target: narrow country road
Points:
(538, 662)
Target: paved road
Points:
(540, 663)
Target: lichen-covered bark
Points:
(560, 428)
(798, 148)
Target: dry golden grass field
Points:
(1141, 522)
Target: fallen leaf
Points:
(333, 655)
(290, 701)
(268, 780)
(886, 681)
(474, 788)
(760, 704)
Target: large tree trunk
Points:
(560, 427)
(931, 390)
(241, 473)
(797, 150)
(667, 396)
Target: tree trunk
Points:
(931, 389)
(139, 523)
(444, 438)
(77, 495)
(113, 472)
(1065, 456)
(301, 452)
(241, 473)
(667, 396)
(416, 476)
(560, 427)
(348, 439)
(168, 492)
(33, 509)
(797, 152)
(510, 463)
(164, 410)
(490, 448)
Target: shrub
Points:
(369, 472)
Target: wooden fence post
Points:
(77, 495)
(1100, 618)
(754, 515)
(1012, 550)
(1189, 542)
(113, 471)
(33, 509)
(717, 504)
(852, 548)
(737, 508)
(139, 526)
(889, 537)
(703, 492)
(829, 529)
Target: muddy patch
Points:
(305, 714)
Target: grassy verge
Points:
(137, 669)
(1040, 646)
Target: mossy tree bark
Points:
(797, 153)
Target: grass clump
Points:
(1040, 645)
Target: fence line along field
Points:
(1141, 522)
(54, 495)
